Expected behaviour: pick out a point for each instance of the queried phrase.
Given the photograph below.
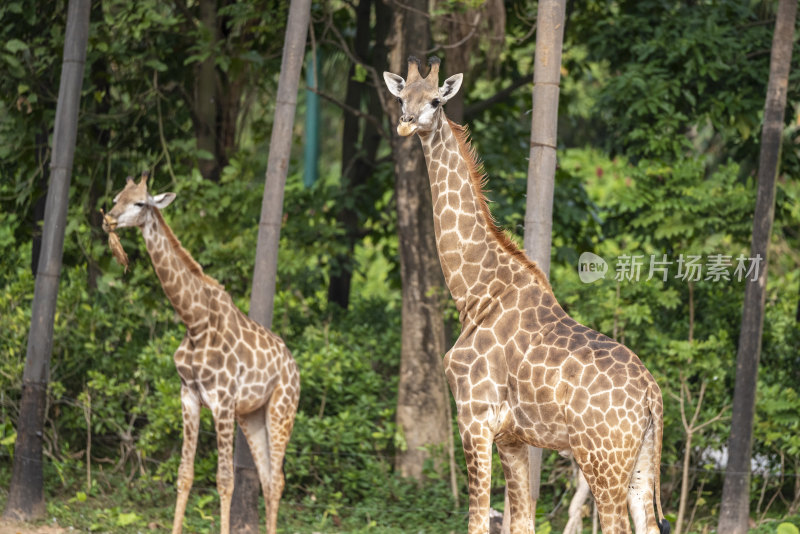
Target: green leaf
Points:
(13, 64)
(196, 58)
(15, 45)
(156, 65)
(126, 519)
(360, 75)
(9, 440)
(787, 528)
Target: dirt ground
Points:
(10, 527)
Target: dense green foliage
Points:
(660, 116)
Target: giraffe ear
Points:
(395, 83)
(450, 87)
(163, 200)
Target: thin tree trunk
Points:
(40, 193)
(457, 60)
(687, 449)
(217, 98)
(542, 162)
(735, 506)
(244, 508)
(575, 523)
(688, 427)
(26, 493)
(422, 399)
(205, 94)
(544, 123)
(359, 150)
(467, 25)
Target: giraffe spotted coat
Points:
(523, 372)
(227, 362)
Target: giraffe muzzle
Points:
(407, 126)
(109, 222)
(109, 227)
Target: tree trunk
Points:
(457, 60)
(468, 25)
(26, 493)
(359, 150)
(40, 194)
(217, 98)
(422, 399)
(735, 506)
(244, 508)
(542, 162)
(205, 96)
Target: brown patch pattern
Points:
(522, 371)
(227, 362)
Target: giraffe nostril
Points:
(408, 118)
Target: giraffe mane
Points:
(182, 253)
(479, 178)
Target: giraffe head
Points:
(421, 98)
(133, 205)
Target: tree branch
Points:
(376, 80)
(478, 107)
(357, 112)
(699, 403)
(466, 38)
(713, 419)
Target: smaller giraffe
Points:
(227, 362)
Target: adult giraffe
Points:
(522, 371)
(241, 371)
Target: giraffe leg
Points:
(224, 423)
(640, 488)
(613, 514)
(612, 506)
(280, 420)
(190, 407)
(608, 489)
(477, 444)
(514, 456)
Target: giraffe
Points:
(522, 371)
(227, 362)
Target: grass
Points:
(117, 505)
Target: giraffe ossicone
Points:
(227, 362)
(523, 372)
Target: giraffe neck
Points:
(478, 261)
(181, 276)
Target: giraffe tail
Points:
(657, 412)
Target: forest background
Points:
(659, 122)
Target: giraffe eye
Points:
(435, 103)
(139, 204)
